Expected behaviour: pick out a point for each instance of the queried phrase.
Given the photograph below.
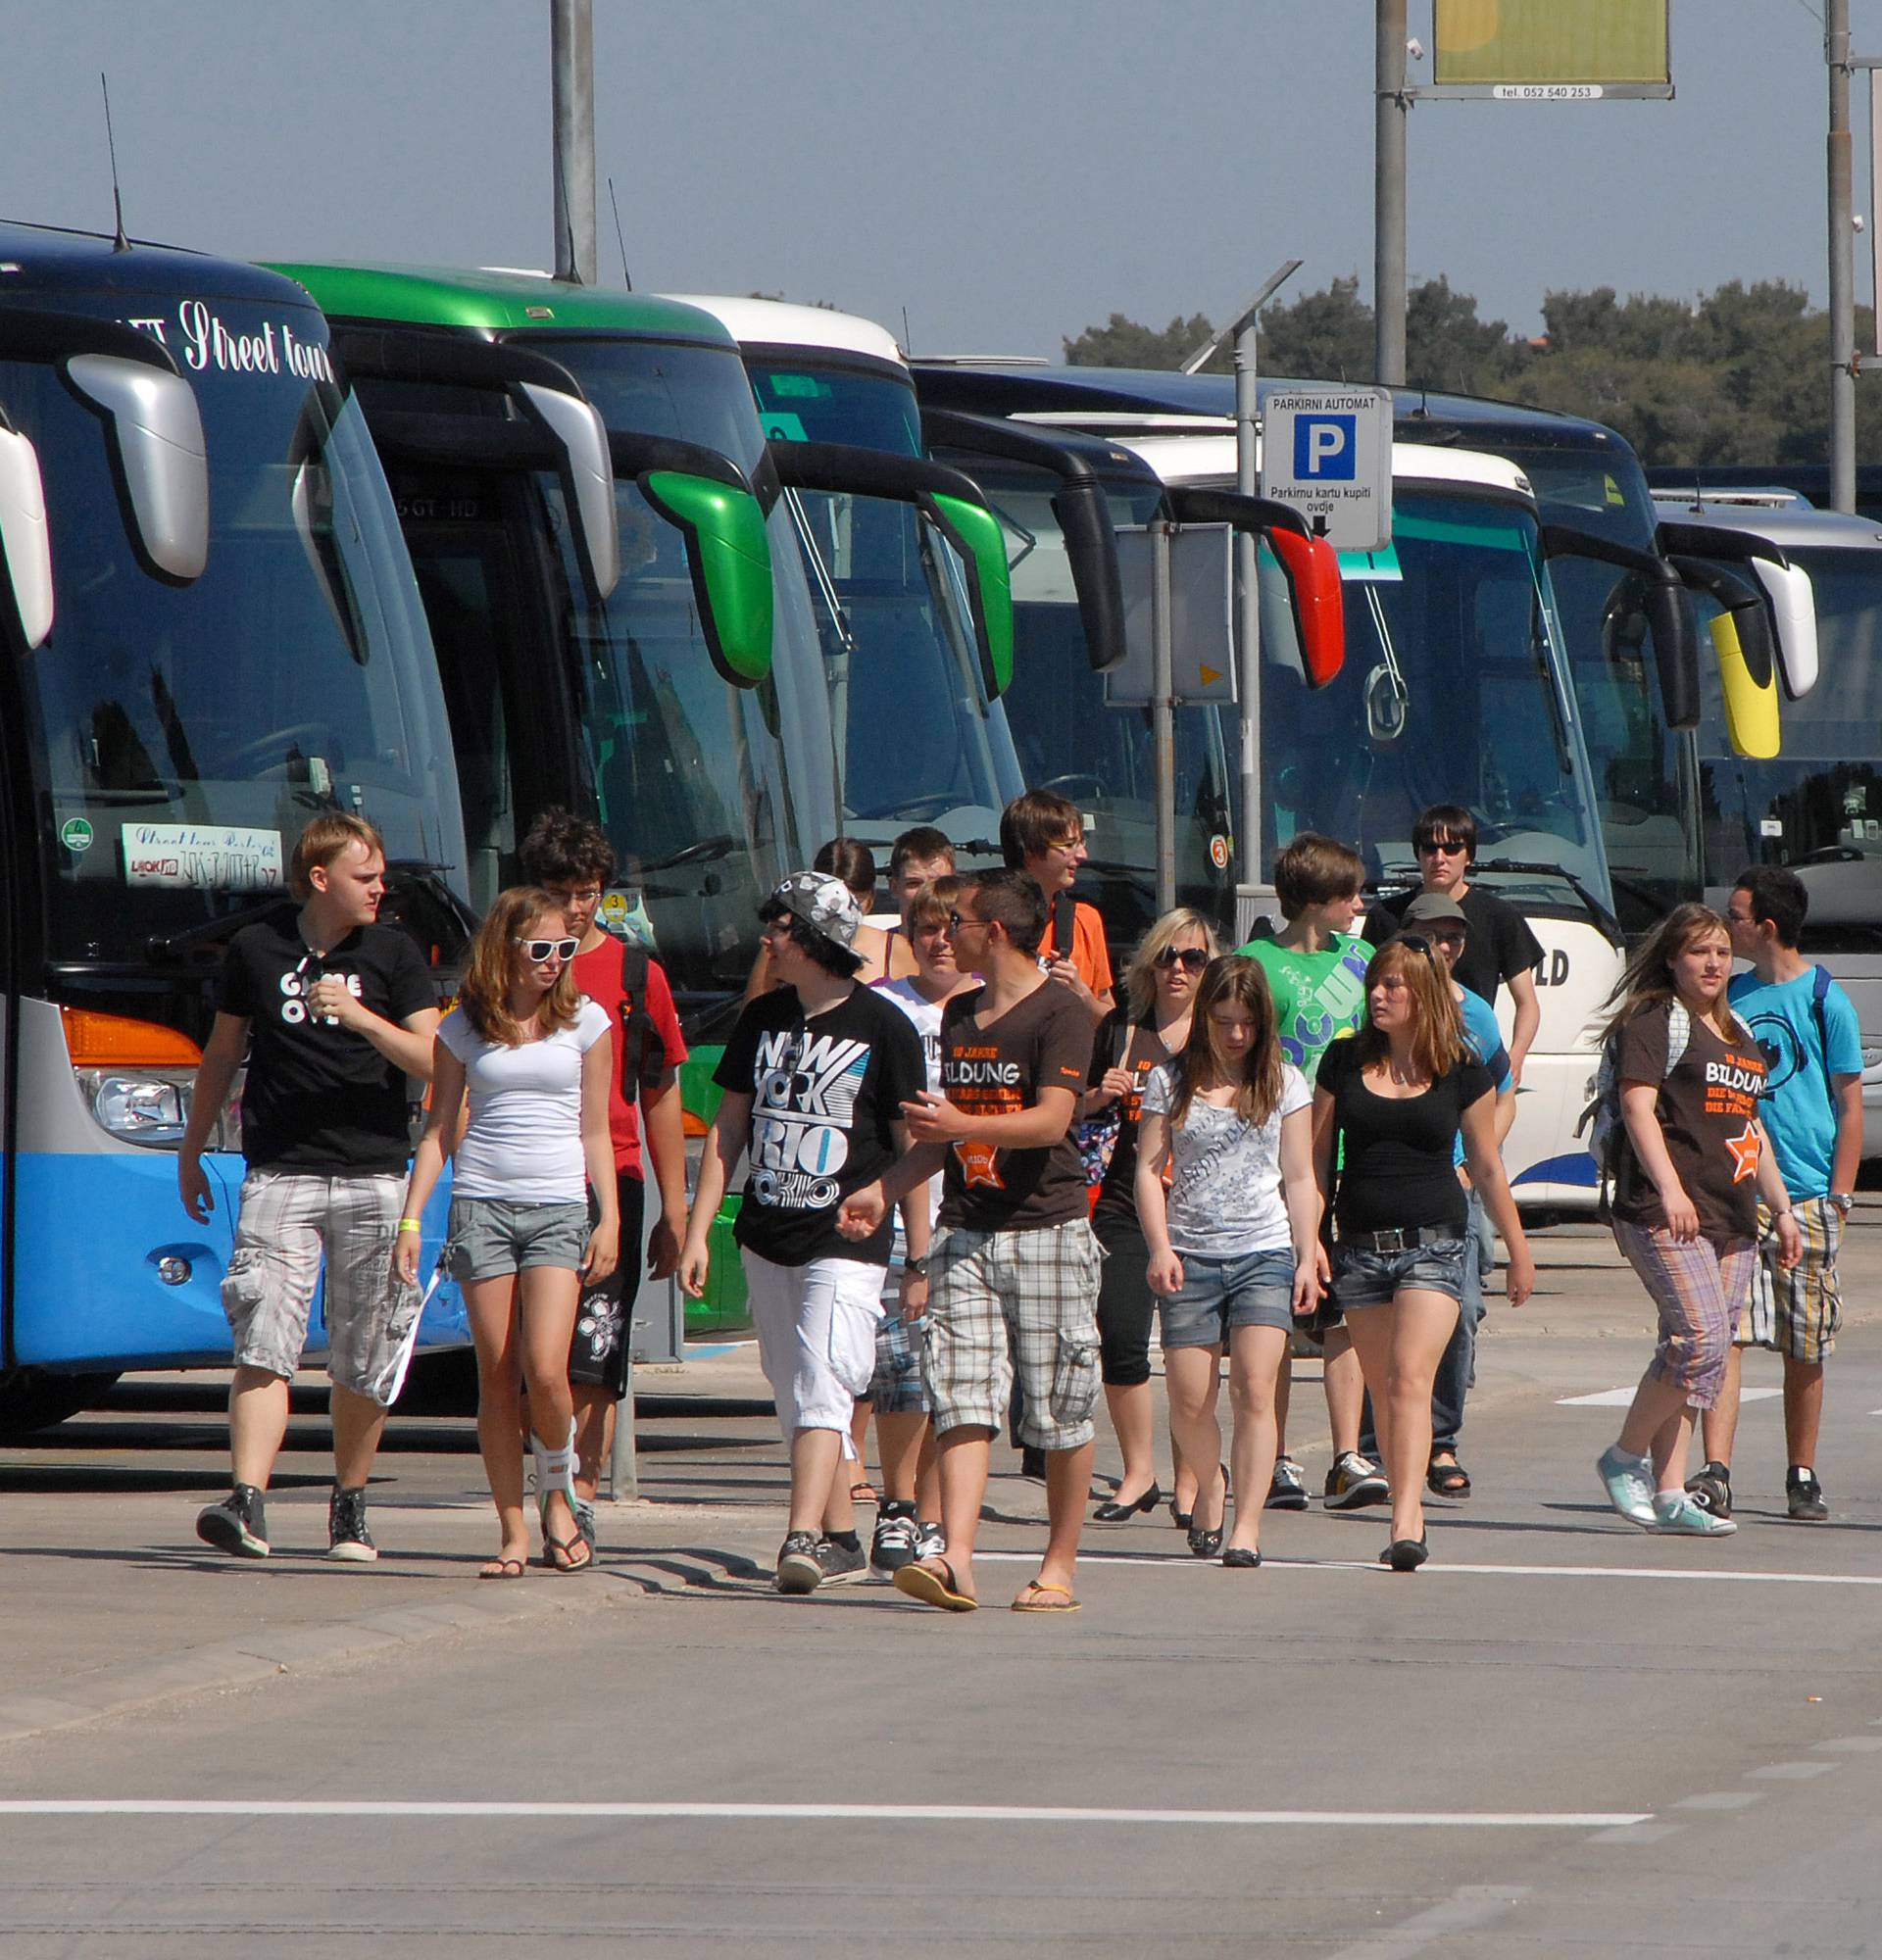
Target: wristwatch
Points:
(1843, 1201)
(918, 1268)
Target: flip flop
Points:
(921, 1582)
(568, 1563)
(503, 1568)
(1033, 1600)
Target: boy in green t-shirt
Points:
(1315, 967)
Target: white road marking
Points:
(1792, 1772)
(890, 1813)
(1620, 1398)
(1444, 1568)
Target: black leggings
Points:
(1126, 1306)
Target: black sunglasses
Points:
(550, 948)
(1191, 956)
(1417, 942)
(955, 922)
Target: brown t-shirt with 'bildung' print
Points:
(1043, 1041)
(1708, 1110)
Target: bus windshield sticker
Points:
(780, 426)
(202, 856)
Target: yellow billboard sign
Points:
(1545, 50)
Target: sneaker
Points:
(930, 1540)
(840, 1563)
(237, 1525)
(1352, 1481)
(1677, 1511)
(585, 1522)
(1288, 1489)
(799, 1568)
(1712, 1489)
(347, 1537)
(893, 1546)
(1629, 1483)
(1806, 1494)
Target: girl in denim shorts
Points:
(1388, 1107)
(1234, 1243)
(535, 1058)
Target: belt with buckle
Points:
(1401, 1238)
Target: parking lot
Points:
(1563, 1737)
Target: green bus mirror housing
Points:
(730, 559)
(975, 532)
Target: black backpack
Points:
(643, 1049)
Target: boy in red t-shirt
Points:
(572, 861)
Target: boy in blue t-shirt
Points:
(1813, 1113)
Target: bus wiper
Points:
(167, 945)
(1598, 911)
(703, 851)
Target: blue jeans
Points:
(1458, 1369)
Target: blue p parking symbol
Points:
(1325, 448)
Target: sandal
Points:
(934, 1584)
(1034, 1599)
(503, 1568)
(556, 1477)
(1448, 1479)
(863, 1493)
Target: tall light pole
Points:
(1388, 197)
(1835, 52)
(571, 71)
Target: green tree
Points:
(1124, 343)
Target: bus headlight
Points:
(139, 1108)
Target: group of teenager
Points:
(976, 1185)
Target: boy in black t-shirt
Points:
(815, 1076)
(334, 1011)
(1501, 951)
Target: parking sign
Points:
(1328, 453)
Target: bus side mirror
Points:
(157, 441)
(1311, 568)
(26, 547)
(1750, 705)
(1091, 552)
(589, 479)
(1674, 618)
(1793, 610)
(975, 532)
(730, 555)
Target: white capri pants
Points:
(815, 1338)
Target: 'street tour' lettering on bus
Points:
(202, 856)
(203, 340)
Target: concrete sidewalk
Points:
(113, 1603)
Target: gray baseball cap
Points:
(1428, 907)
(819, 901)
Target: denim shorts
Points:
(1219, 1294)
(494, 1236)
(1369, 1278)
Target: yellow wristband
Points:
(410, 1225)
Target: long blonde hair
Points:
(1140, 976)
(1437, 1028)
(492, 965)
(1648, 981)
(1242, 982)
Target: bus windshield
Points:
(1821, 798)
(1644, 787)
(893, 616)
(710, 793)
(175, 769)
(1453, 691)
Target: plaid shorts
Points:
(1028, 1301)
(896, 1388)
(1800, 1312)
(288, 1221)
(1700, 1290)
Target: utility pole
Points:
(571, 67)
(1835, 53)
(1388, 197)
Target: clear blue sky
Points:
(1008, 173)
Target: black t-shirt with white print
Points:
(321, 1099)
(825, 1095)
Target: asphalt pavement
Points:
(1562, 1737)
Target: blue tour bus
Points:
(211, 633)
